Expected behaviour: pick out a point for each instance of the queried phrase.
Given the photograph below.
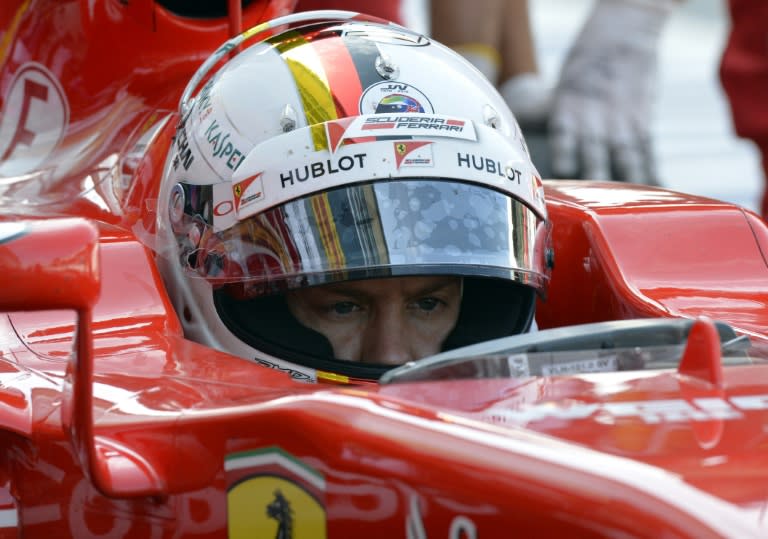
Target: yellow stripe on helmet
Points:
(312, 85)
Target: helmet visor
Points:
(369, 230)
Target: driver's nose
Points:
(385, 338)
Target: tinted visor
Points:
(370, 230)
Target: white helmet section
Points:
(237, 109)
(254, 98)
(423, 145)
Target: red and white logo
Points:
(248, 191)
(34, 116)
(413, 153)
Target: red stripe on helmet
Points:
(341, 73)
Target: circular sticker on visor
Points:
(390, 97)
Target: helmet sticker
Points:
(222, 147)
(318, 169)
(210, 136)
(413, 153)
(398, 103)
(410, 125)
(204, 105)
(489, 166)
(295, 374)
(184, 156)
(335, 130)
(394, 98)
(248, 191)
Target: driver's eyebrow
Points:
(357, 288)
(349, 291)
(440, 285)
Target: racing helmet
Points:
(341, 147)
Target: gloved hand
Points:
(601, 116)
(529, 98)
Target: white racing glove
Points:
(529, 98)
(601, 112)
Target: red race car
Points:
(638, 409)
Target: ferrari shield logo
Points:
(272, 494)
(248, 191)
(413, 153)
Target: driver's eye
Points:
(344, 307)
(428, 304)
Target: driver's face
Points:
(390, 321)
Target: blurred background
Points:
(695, 146)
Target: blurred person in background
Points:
(390, 10)
(598, 116)
(595, 123)
(744, 77)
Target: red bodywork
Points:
(142, 433)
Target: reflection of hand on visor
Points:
(200, 249)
